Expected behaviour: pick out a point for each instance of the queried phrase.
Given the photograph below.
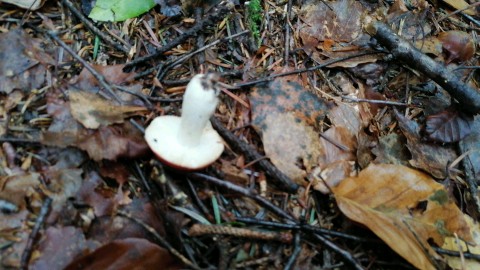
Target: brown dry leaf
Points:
(110, 142)
(23, 64)
(430, 157)
(341, 23)
(459, 45)
(130, 253)
(59, 247)
(113, 74)
(405, 208)
(292, 145)
(93, 111)
(335, 164)
(448, 126)
(460, 5)
(282, 96)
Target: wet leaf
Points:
(430, 157)
(338, 21)
(471, 144)
(458, 45)
(282, 96)
(23, 65)
(299, 149)
(60, 246)
(405, 208)
(448, 126)
(130, 253)
(94, 111)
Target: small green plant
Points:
(254, 16)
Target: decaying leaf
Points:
(430, 157)
(59, 246)
(285, 96)
(130, 253)
(338, 21)
(23, 62)
(460, 5)
(456, 244)
(291, 145)
(335, 163)
(448, 126)
(458, 45)
(94, 111)
(106, 142)
(26, 4)
(471, 144)
(405, 208)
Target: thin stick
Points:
(345, 254)
(375, 101)
(252, 154)
(160, 239)
(221, 11)
(33, 235)
(302, 70)
(245, 192)
(93, 28)
(203, 229)
(100, 78)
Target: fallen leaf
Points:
(23, 65)
(391, 149)
(298, 150)
(471, 144)
(94, 111)
(339, 21)
(448, 126)
(457, 245)
(334, 164)
(458, 45)
(59, 246)
(428, 156)
(130, 253)
(26, 4)
(282, 96)
(405, 208)
(461, 5)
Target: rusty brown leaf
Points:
(405, 208)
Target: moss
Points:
(254, 18)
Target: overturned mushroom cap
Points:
(188, 142)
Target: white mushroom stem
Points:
(199, 103)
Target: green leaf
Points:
(119, 10)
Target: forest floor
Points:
(350, 132)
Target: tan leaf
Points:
(94, 111)
(405, 208)
(291, 145)
(460, 5)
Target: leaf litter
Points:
(366, 139)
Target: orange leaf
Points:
(403, 207)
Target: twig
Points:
(246, 192)
(19, 140)
(374, 101)
(345, 254)
(287, 33)
(467, 255)
(302, 70)
(297, 248)
(27, 252)
(305, 228)
(183, 58)
(203, 229)
(252, 154)
(218, 14)
(403, 51)
(93, 28)
(100, 78)
(160, 239)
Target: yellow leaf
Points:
(405, 208)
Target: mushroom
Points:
(189, 142)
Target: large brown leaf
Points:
(405, 208)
